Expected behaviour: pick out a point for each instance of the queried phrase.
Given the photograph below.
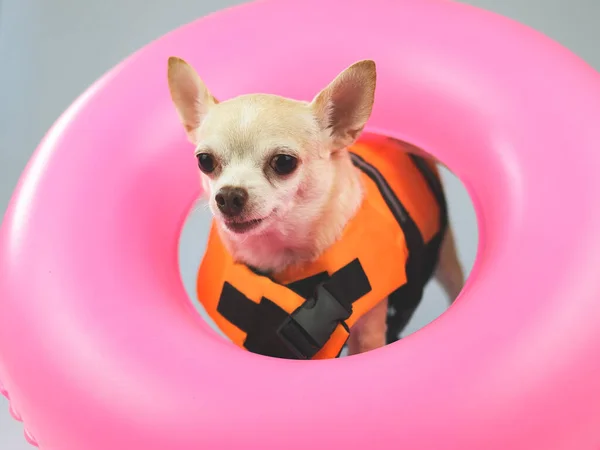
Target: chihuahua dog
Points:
(279, 179)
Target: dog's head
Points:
(265, 160)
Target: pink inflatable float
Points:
(100, 348)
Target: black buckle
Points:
(308, 328)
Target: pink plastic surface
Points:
(100, 348)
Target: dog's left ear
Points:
(345, 105)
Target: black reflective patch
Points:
(262, 338)
(237, 308)
(350, 283)
(259, 321)
(404, 302)
(263, 322)
(306, 286)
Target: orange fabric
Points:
(373, 236)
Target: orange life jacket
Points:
(306, 312)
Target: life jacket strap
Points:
(306, 331)
(271, 331)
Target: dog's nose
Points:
(231, 200)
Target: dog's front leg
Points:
(369, 331)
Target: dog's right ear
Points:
(189, 94)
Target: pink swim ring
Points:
(100, 347)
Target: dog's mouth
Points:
(242, 227)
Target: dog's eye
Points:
(206, 162)
(284, 164)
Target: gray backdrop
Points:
(51, 50)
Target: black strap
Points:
(311, 325)
(270, 331)
(407, 297)
(412, 234)
(435, 186)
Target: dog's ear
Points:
(345, 105)
(189, 94)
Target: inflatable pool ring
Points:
(100, 348)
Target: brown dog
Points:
(274, 167)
